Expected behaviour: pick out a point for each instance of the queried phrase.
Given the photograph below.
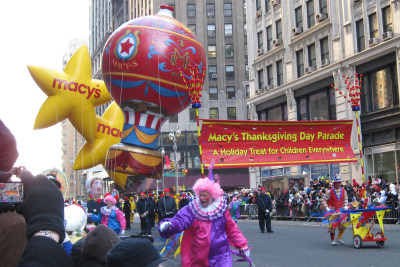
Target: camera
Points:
(12, 191)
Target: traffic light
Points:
(185, 171)
(172, 165)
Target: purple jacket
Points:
(208, 234)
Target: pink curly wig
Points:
(204, 184)
(110, 197)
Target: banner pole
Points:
(198, 133)
(361, 158)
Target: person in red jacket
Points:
(334, 199)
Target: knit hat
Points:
(167, 190)
(134, 252)
(142, 193)
(262, 188)
(98, 242)
(8, 150)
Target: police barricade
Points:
(304, 212)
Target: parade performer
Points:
(110, 216)
(334, 199)
(133, 208)
(208, 228)
(234, 209)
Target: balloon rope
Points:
(198, 133)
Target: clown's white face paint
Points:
(205, 198)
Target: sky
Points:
(35, 33)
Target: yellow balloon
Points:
(108, 132)
(72, 94)
(118, 177)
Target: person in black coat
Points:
(166, 206)
(264, 207)
(92, 207)
(144, 207)
(184, 201)
(152, 214)
(127, 211)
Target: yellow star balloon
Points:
(72, 94)
(118, 177)
(108, 132)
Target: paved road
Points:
(302, 243)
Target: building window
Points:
(211, 30)
(278, 29)
(230, 92)
(247, 91)
(312, 57)
(260, 75)
(227, 9)
(269, 38)
(258, 5)
(310, 14)
(173, 118)
(191, 11)
(192, 27)
(320, 105)
(260, 40)
(210, 10)
(246, 52)
(270, 75)
(323, 6)
(247, 71)
(192, 115)
(279, 72)
(267, 6)
(245, 29)
(229, 72)
(373, 26)
(300, 63)
(360, 35)
(212, 51)
(380, 89)
(228, 29)
(229, 51)
(213, 93)
(212, 72)
(387, 19)
(324, 48)
(298, 16)
(277, 113)
(231, 111)
(214, 113)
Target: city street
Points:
(300, 243)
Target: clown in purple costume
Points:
(208, 228)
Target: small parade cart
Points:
(362, 222)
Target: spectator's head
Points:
(262, 190)
(167, 192)
(97, 243)
(134, 252)
(142, 195)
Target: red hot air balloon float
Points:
(146, 65)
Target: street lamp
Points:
(172, 136)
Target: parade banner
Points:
(238, 144)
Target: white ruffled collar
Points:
(215, 210)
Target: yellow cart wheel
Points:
(379, 243)
(357, 241)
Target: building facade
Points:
(299, 48)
